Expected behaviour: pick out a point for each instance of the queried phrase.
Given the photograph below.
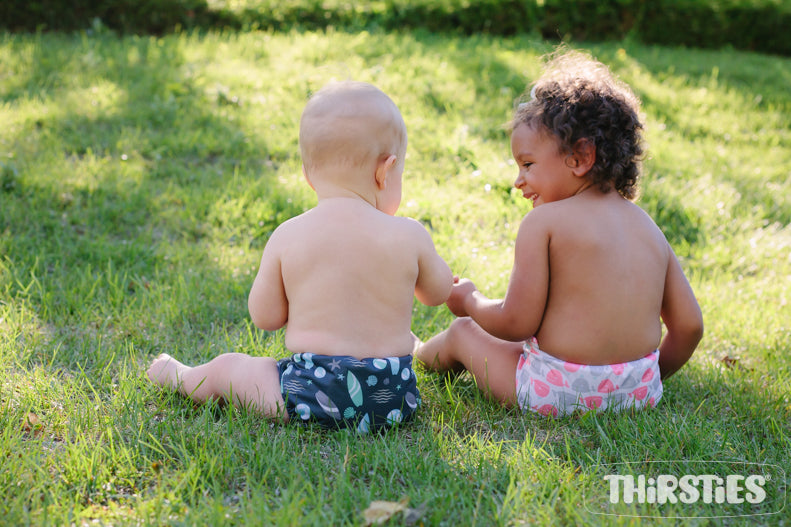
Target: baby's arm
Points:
(434, 280)
(267, 302)
(519, 315)
(682, 317)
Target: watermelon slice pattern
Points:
(550, 386)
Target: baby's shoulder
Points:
(408, 230)
(641, 219)
(291, 224)
(408, 224)
(291, 231)
(552, 215)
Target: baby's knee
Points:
(461, 328)
(227, 361)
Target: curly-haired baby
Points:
(593, 276)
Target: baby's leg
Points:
(465, 346)
(253, 381)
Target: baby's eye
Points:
(527, 165)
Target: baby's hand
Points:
(462, 288)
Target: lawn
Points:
(140, 178)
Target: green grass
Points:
(141, 177)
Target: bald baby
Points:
(350, 125)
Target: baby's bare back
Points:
(349, 273)
(608, 262)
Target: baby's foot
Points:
(165, 371)
(416, 343)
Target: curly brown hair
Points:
(578, 98)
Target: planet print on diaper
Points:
(405, 373)
(329, 407)
(394, 417)
(411, 400)
(394, 365)
(380, 364)
(303, 411)
(308, 357)
(320, 372)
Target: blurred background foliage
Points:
(755, 25)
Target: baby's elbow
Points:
(268, 324)
(515, 329)
(432, 298)
(267, 320)
(435, 296)
(691, 330)
(515, 335)
(694, 325)
(697, 330)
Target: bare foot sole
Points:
(165, 371)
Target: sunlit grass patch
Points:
(140, 178)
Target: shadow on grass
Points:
(156, 159)
(110, 195)
(711, 420)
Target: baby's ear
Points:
(583, 156)
(383, 167)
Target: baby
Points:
(341, 277)
(593, 277)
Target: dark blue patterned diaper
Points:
(342, 391)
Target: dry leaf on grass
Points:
(733, 363)
(379, 512)
(32, 425)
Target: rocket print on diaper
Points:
(550, 386)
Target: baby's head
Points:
(349, 126)
(578, 98)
